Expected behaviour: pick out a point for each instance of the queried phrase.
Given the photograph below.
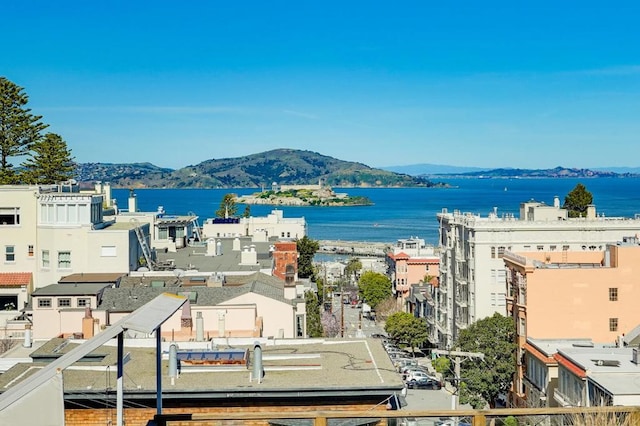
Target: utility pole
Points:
(457, 361)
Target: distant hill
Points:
(283, 166)
(557, 172)
(431, 169)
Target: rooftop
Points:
(292, 367)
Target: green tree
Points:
(247, 211)
(307, 248)
(19, 129)
(228, 207)
(484, 380)
(50, 161)
(374, 287)
(314, 323)
(577, 200)
(353, 267)
(404, 327)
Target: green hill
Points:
(283, 166)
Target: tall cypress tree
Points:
(19, 129)
(50, 161)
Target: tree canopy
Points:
(374, 287)
(484, 380)
(307, 248)
(314, 322)
(228, 207)
(19, 129)
(577, 201)
(404, 327)
(354, 265)
(51, 161)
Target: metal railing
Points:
(576, 416)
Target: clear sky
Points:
(531, 84)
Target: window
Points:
(501, 252)
(45, 258)
(9, 253)
(44, 303)
(552, 248)
(565, 248)
(163, 233)
(9, 216)
(527, 248)
(493, 252)
(540, 248)
(84, 303)
(30, 251)
(613, 294)
(8, 302)
(64, 259)
(64, 303)
(613, 324)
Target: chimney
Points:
(258, 369)
(133, 202)
(173, 363)
(236, 244)
(87, 324)
(27, 336)
(556, 202)
(199, 327)
(107, 194)
(221, 324)
(591, 211)
(211, 247)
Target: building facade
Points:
(472, 270)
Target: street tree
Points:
(577, 201)
(330, 324)
(228, 207)
(307, 248)
(50, 161)
(386, 308)
(405, 327)
(484, 380)
(354, 265)
(374, 287)
(312, 307)
(247, 211)
(19, 129)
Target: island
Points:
(303, 195)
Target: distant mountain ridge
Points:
(282, 166)
(437, 170)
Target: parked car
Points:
(424, 383)
(417, 374)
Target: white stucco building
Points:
(472, 272)
(272, 225)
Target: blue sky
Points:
(487, 84)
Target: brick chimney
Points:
(285, 261)
(87, 324)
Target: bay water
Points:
(402, 212)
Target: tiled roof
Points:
(14, 279)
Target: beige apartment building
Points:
(55, 230)
(588, 295)
(472, 247)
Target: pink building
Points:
(411, 262)
(586, 294)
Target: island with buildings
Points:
(303, 195)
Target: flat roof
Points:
(292, 367)
(92, 278)
(195, 257)
(78, 289)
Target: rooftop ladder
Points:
(146, 252)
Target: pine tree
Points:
(50, 161)
(19, 129)
(577, 201)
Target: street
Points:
(356, 325)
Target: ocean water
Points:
(403, 212)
